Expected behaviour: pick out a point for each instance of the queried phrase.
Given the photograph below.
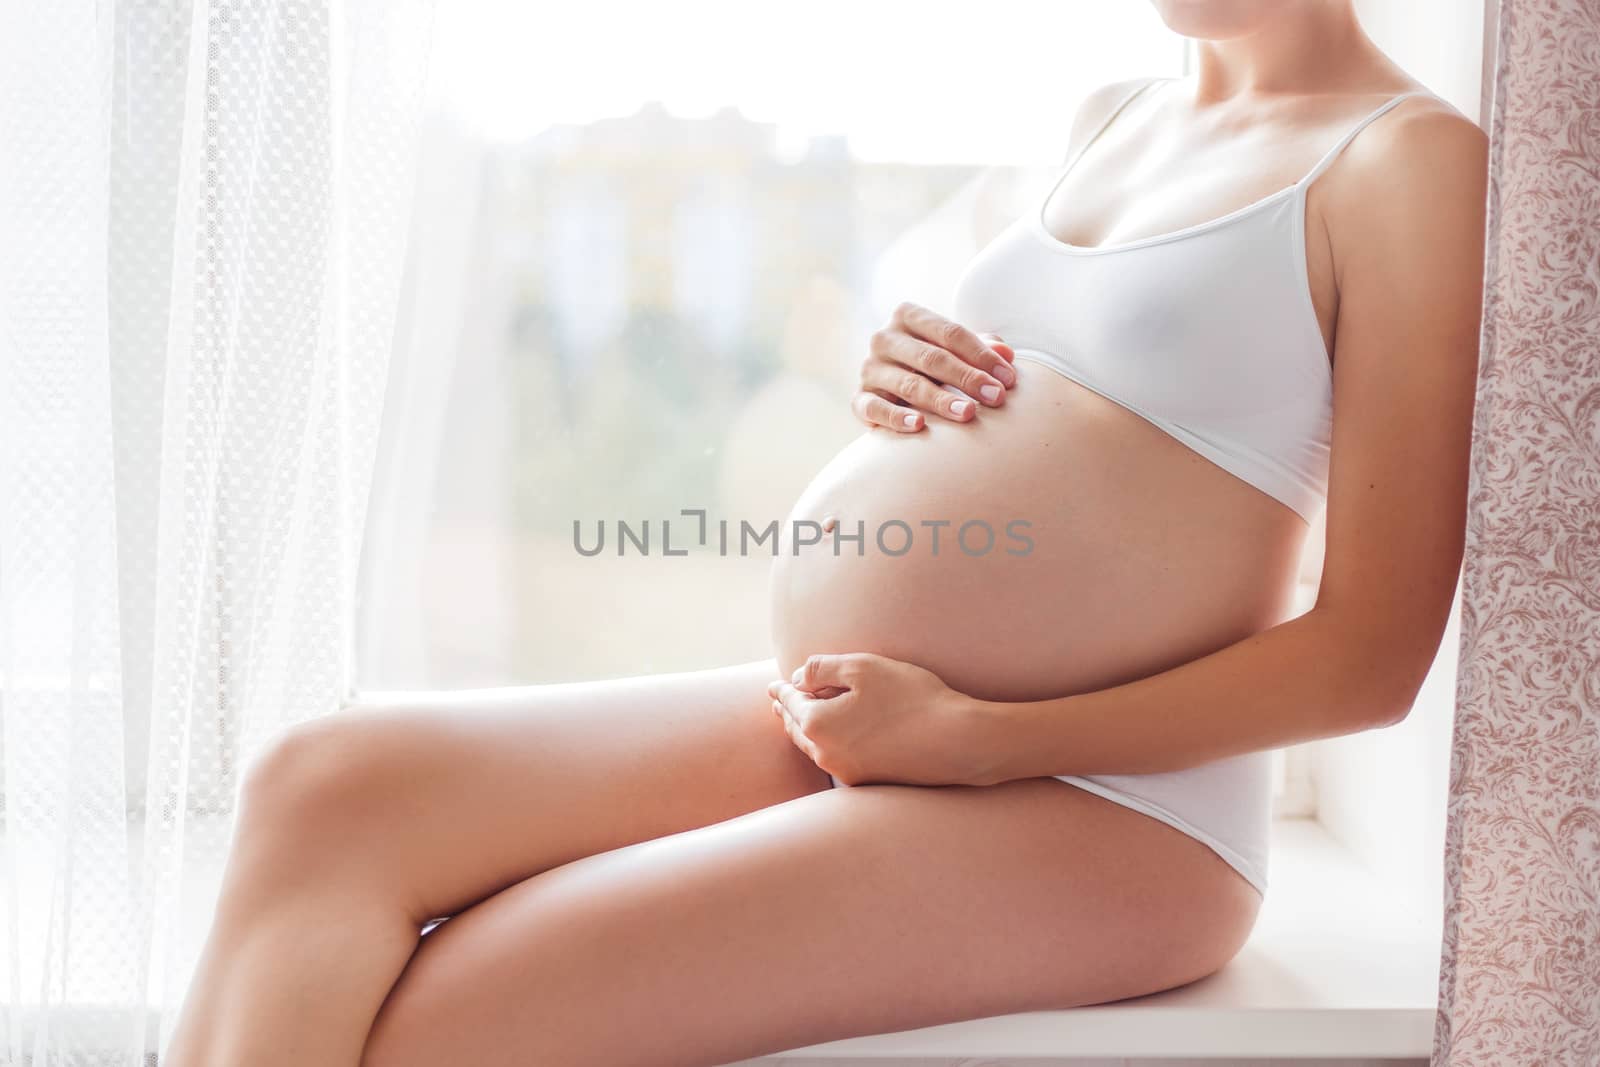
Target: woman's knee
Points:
(312, 799)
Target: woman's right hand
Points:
(918, 353)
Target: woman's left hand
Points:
(867, 718)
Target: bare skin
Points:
(650, 871)
(1144, 554)
(656, 850)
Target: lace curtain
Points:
(202, 206)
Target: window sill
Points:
(1331, 970)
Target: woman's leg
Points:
(357, 828)
(865, 909)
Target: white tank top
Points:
(1209, 332)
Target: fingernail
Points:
(991, 393)
(1003, 371)
(959, 407)
(911, 422)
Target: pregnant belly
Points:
(1056, 545)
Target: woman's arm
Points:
(1409, 260)
(1311, 677)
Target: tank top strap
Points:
(1339, 146)
(1105, 123)
(1061, 175)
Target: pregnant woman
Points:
(969, 782)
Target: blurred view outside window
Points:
(650, 244)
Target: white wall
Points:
(1382, 793)
(1439, 41)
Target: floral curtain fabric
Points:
(1520, 971)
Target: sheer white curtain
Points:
(202, 217)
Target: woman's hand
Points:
(867, 718)
(915, 356)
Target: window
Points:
(650, 244)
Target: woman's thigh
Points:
(865, 909)
(442, 798)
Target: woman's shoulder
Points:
(1434, 121)
(1426, 115)
(1404, 207)
(1106, 96)
(1097, 106)
(1418, 145)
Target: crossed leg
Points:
(864, 909)
(648, 871)
(357, 828)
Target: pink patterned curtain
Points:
(1519, 979)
